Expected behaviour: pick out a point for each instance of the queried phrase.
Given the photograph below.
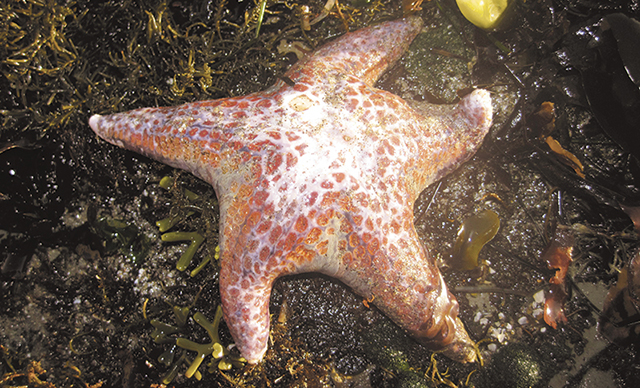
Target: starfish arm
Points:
(448, 136)
(364, 54)
(258, 245)
(406, 285)
(216, 140)
(245, 304)
(375, 250)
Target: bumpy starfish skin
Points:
(320, 173)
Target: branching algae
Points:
(222, 358)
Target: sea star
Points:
(320, 173)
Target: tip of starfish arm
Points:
(93, 122)
(461, 348)
(477, 110)
(253, 352)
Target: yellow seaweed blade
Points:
(483, 13)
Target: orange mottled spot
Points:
(420, 287)
(292, 160)
(264, 254)
(373, 246)
(275, 234)
(210, 103)
(391, 120)
(238, 115)
(292, 136)
(322, 247)
(253, 219)
(342, 244)
(264, 104)
(347, 258)
(146, 140)
(329, 198)
(361, 199)
(274, 135)
(252, 246)
(354, 184)
(259, 198)
(313, 236)
(215, 146)
(322, 219)
(301, 224)
(305, 254)
(135, 138)
(399, 198)
(346, 227)
(381, 262)
(272, 263)
(326, 185)
(393, 250)
(274, 163)
(244, 191)
(300, 148)
(359, 253)
(264, 227)
(339, 176)
(300, 255)
(299, 87)
(357, 219)
(312, 198)
(351, 104)
(377, 99)
(345, 204)
(256, 172)
(354, 240)
(290, 241)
